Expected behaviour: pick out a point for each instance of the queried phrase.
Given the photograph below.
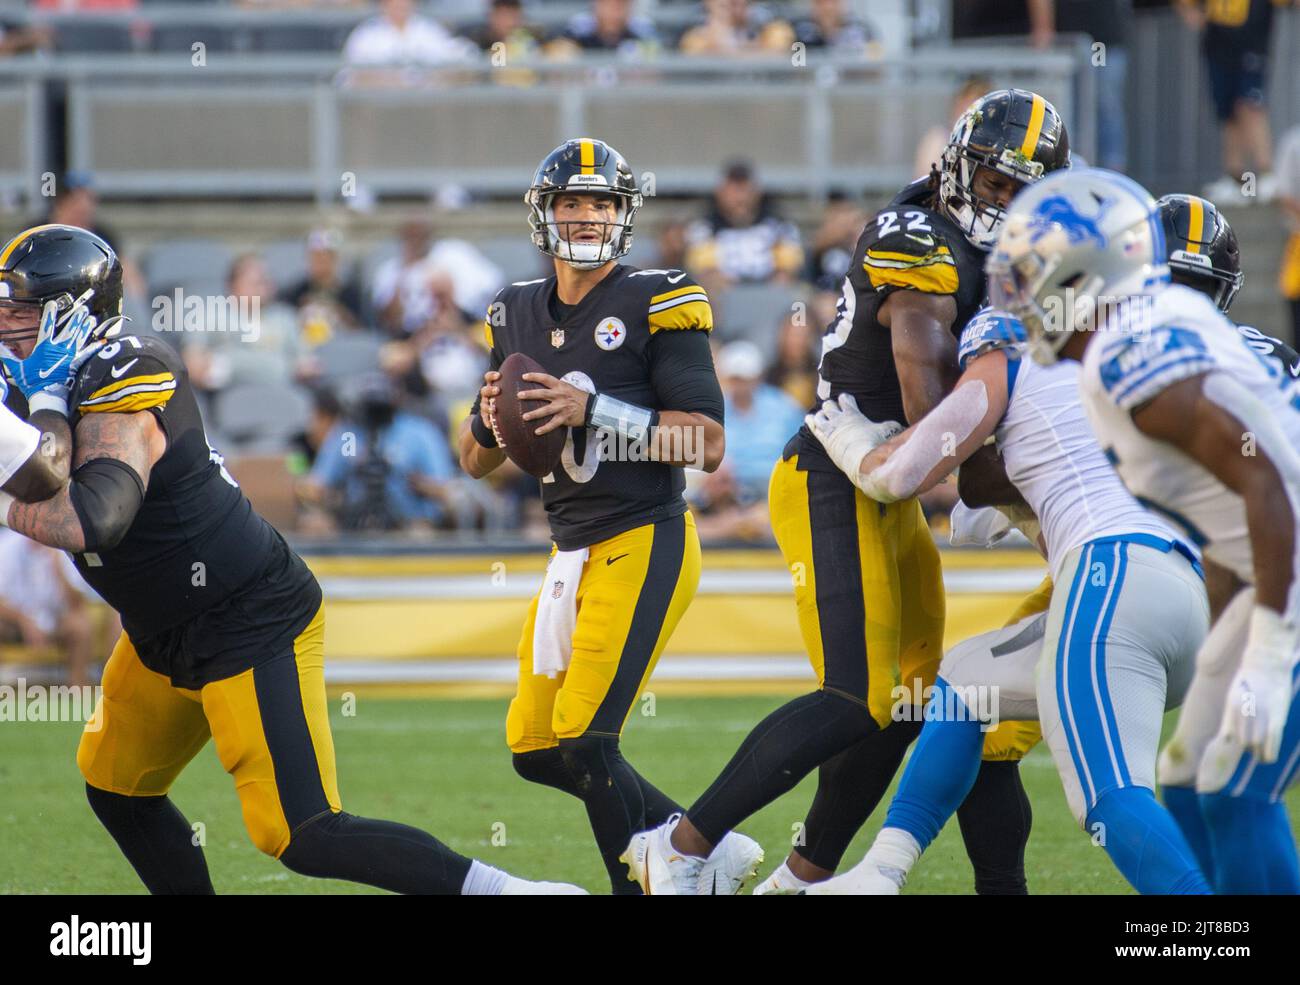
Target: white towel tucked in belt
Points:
(557, 613)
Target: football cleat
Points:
(782, 882)
(867, 878)
(659, 868)
(733, 863)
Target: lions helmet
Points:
(1074, 246)
(1203, 252)
(1010, 131)
(586, 167)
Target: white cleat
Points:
(733, 863)
(659, 868)
(525, 887)
(782, 882)
(867, 878)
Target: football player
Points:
(1113, 658)
(223, 630)
(868, 586)
(1203, 430)
(631, 381)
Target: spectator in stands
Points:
(1288, 192)
(608, 27)
(742, 239)
(1234, 42)
(794, 370)
(833, 243)
(929, 150)
(506, 38)
(381, 469)
(40, 604)
(392, 47)
(759, 420)
(829, 26)
(737, 27)
(670, 242)
(327, 301)
(18, 39)
(257, 339)
(326, 411)
(1109, 23)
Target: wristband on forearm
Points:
(482, 433)
(48, 400)
(6, 500)
(628, 420)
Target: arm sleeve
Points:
(681, 370)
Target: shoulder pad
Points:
(905, 248)
(1139, 367)
(989, 329)
(675, 301)
(127, 374)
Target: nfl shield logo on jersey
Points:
(557, 337)
(558, 589)
(610, 333)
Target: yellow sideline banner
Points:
(472, 606)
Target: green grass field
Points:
(441, 764)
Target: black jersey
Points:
(1273, 348)
(906, 247)
(204, 585)
(640, 336)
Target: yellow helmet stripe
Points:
(587, 151)
(1035, 129)
(1195, 225)
(17, 241)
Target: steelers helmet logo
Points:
(610, 333)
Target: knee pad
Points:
(588, 756)
(308, 851)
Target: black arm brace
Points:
(106, 493)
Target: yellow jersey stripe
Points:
(587, 156)
(931, 257)
(689, 314)
(18, 240)
(1195, 225)
(1035, 126)
(934, 278)
(104, 391)
(669, 295)
(132, 403)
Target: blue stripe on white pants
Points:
(1083, 698)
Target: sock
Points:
(1145, 844)
(615, 805)
(849, 786)
(1185, 806)
(893, 854)
(547, 767)
(787, 880)
(483, 880)
(995, 819)
(941, 771)
(780, 751)
(1251, 844)
(384, 854)
(156, 839)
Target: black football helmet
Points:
(583, 166)
(1203, 252)
(1011, 131)
(65, 266)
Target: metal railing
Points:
(162, 126)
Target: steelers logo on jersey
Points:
(610, 333)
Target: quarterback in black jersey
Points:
(223, 629)
(627, 354)
(871, 602)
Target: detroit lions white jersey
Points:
(1176, 335)
(1053, 458)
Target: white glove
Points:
(847, 435)
(1259, 697)
(982, 527)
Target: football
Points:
(536, 455)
